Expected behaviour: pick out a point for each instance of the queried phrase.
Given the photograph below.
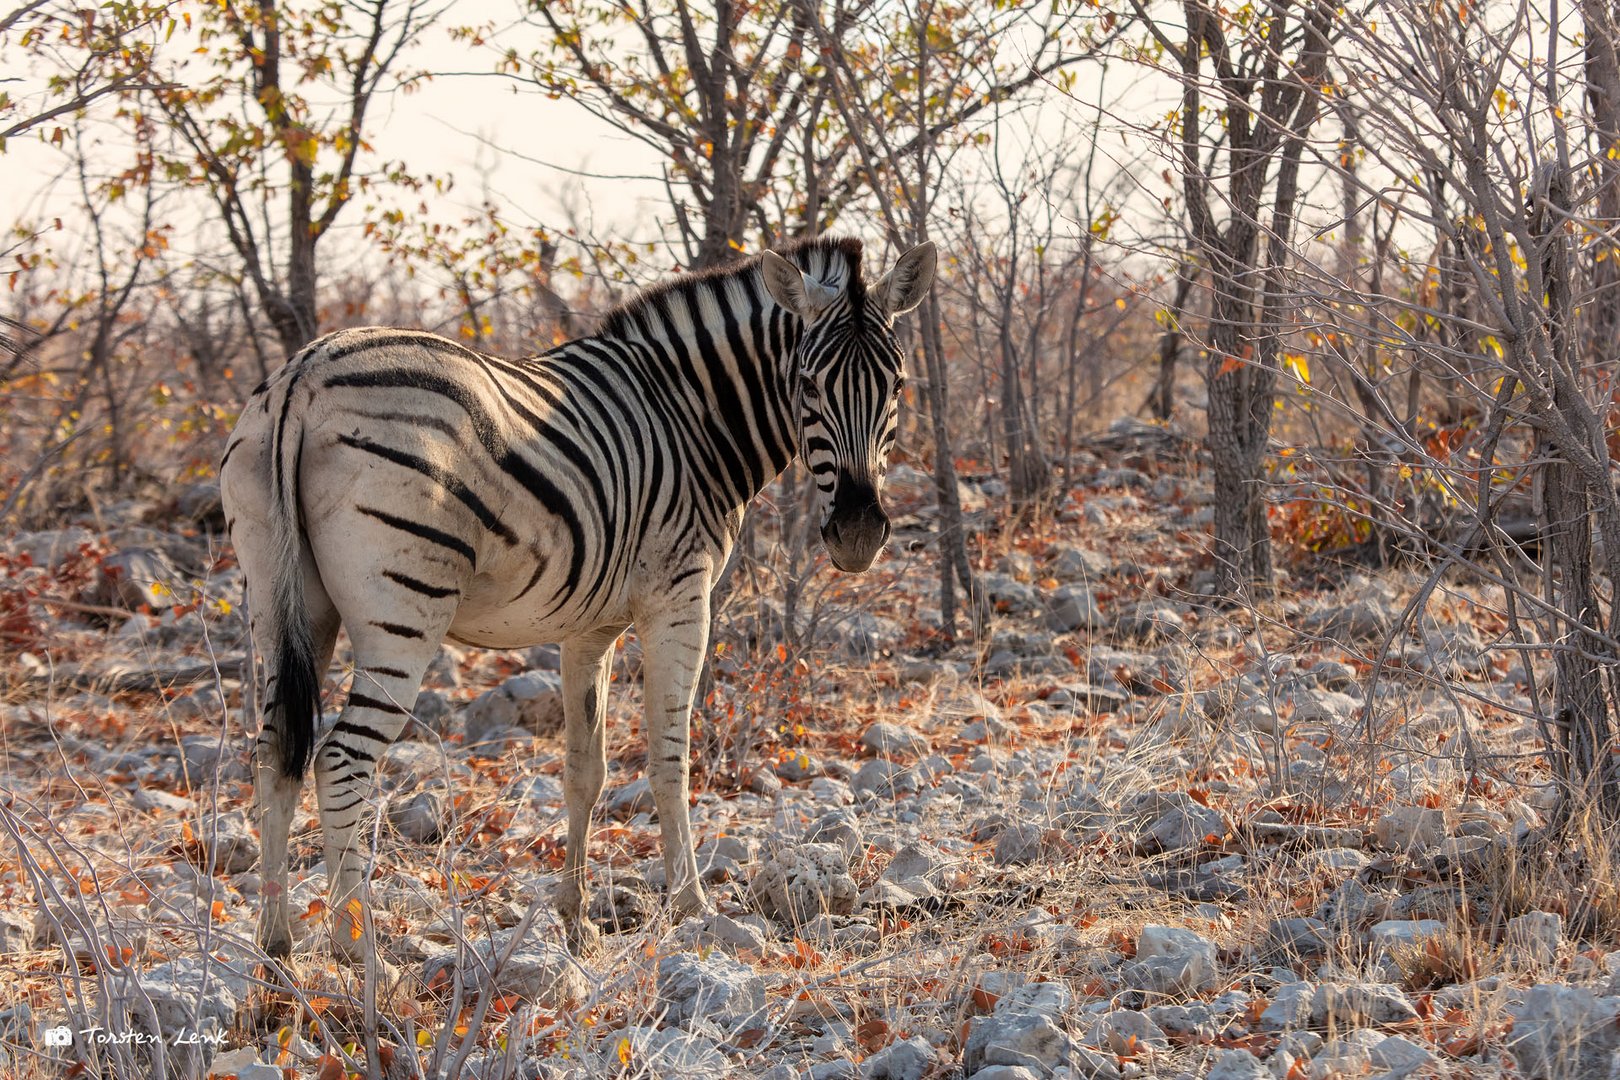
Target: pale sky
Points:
(530, 149)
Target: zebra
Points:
(412, 489)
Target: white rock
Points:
(800, 882)
(232, 1062)
(1410, 828)
(532, 701)
(227, 843)
(1006, 1072)
(1340, 858)
(1353, 1003)
(1562, 1032)
(541, 790)
(540, 971)
(717, 988)
(1350, 1055)
(1116, 1030)
(883, 778)
(670, 1052)
(628, 800)
(1404, 932)
(1072, 608)
(1184, 827)
(1035, 1040)
(420, 818)
(1290, 1006)
(912, 1059)
(917, 860)
(1399, 1056)
(1534, 937)
(887, 738)
(733, 935)
(841, 827)
(1237, 1065)
(1173, 941)
(1019, 844)
(1171, 960)
(191, 996)
(1323, 708)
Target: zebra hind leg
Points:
(276, 793)
(587, 664)
(390, 660)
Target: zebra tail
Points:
(298, 684)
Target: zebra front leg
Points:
(675, 642)
(587, 665)
(388, 674)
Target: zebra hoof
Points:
(276, 941)
(584, 939)
(691, 903)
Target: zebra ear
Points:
(904, 287)
(788, 286)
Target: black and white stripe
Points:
(411, 489)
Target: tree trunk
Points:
(1240, 407)
(953, 558)
(1581, 703)
(1603, 92)
(1161, 399)
(293, 314)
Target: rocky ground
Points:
(1132, 836)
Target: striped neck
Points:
(720, 337)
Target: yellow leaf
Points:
(624, 1051)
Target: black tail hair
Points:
(298, 690)
(298, 684)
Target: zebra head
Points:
(850, 372)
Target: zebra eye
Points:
(807, 387)
(899, 384)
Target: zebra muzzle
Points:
(857, 528)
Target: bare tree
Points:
(1481, 142)
(719, 90)
(1266, 77)
(86, 57)
(259, 130)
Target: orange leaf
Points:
(873, 1035)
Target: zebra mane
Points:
(832, 260)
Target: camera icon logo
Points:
(58, 1036)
